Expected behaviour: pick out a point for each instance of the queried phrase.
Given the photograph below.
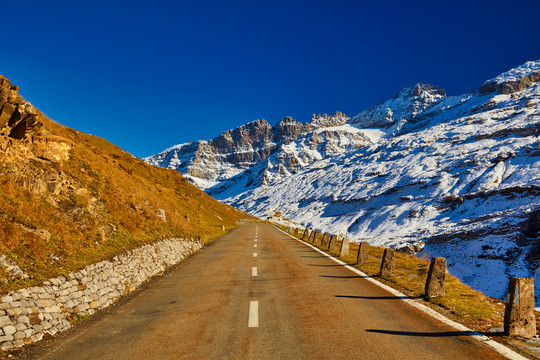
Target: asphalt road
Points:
(286, 302)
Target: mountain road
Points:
(257, 293)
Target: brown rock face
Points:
(17, 117)
(22, 141)
(435, 280)
(510, 87)
(419, 88)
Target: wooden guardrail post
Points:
(333, 243)
(363, 252)
(519, 319)
(344, 250)
(388, 263)
(435, 279)
(305, 237)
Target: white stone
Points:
(14, 311)
(5, 321)
(52, 309)
(9, 330)
(18, 343)
(6, 340)
(23, 319)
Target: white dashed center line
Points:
(254, 271)
(253, 314)
(254, 254)
(255, 245)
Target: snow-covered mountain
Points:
(455, 176)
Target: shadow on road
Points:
(378, 297)
(425, 334)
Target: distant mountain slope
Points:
(454, 176)
(68, 198)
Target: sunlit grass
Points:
(110, 206)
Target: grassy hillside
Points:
(69, 199)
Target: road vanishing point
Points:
(257, 293)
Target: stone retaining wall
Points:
(26, 315)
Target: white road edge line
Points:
(253, 314)
(254, 254)
(254, 271)
(500, 348)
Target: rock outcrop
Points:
(230, 153)
(24, 141)
(515, 80)
(17, 117)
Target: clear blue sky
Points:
(150, 74)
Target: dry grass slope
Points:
(98, 202)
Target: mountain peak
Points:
(419, 89)
(322, 120)
(513, 80)
(406, 105)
